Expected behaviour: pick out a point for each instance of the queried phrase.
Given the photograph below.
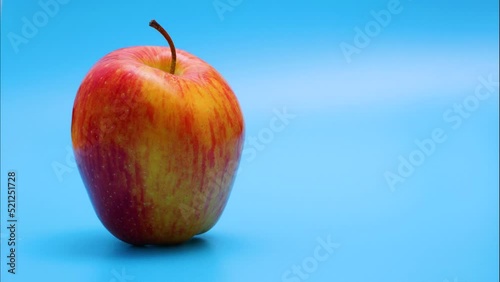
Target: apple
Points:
(157, 135)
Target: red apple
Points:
(157, 136)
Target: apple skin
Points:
(157, 152)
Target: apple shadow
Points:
(85, 245)
(194, 245)
(103, 257)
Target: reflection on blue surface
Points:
(321, 177)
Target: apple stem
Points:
(158, 27)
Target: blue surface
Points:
(322, 178)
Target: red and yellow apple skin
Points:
(157, 152)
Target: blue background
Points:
(321, 177)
